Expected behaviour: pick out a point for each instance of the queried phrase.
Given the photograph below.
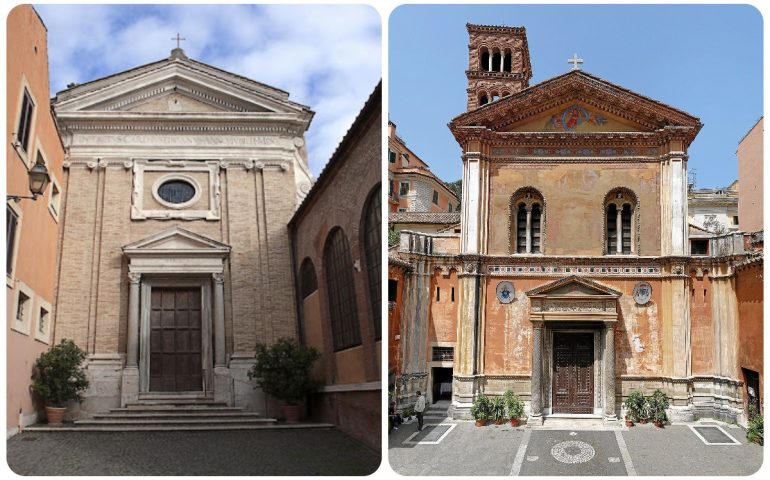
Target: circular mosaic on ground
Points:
(573, 452)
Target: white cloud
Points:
(326, 57)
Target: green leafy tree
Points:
(58, 376)
(283, 370)
(457, 188)
(394, 236)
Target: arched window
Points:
(484, 59)
(527, 220)
(341, 291)
(620, 207)
(307, 279)
(373, 253)
(496, 61)
(507, 60)
(483, 99)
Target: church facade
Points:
(174, 255)
(571, 282)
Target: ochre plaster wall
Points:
(702, 326)
(574, 196)
(313, 332)
(748, 283)
(394, 320)
(750, 155)
(443, 312)
(507, 340)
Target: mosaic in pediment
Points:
(574, 118)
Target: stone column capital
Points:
(218, 277)
(134, 277)
(537, 325)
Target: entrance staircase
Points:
(437, 412)
(169, 414)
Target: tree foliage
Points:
(456, 187)
(283, 370)
(58, 376)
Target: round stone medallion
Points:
(505, 292)
(642, 293)
(573, 451)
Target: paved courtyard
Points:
(243, 452)
(461, 448)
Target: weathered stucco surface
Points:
(574, 204)
(702, 336)
(443, 310)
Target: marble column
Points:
(132, 334)
(529, 228)
(609, 372)
(536, 401)
(619, 230)
(490, 61)
(219, 320)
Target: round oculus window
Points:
(176, 191)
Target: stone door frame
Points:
(156, 281)
(548, 359)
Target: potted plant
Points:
(658, 406)
(480, 410)
(283, 371)
(646, 411)
(756, 428)
(58, 378)
(497, 408)
(634, 407)
(514, 406)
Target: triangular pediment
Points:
(573, 286)
(176, 239)
(176, 85)
(576, 102)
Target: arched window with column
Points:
(507, 60)
(341, 291)
(484, 63)
(621, 222)
(496, 60)
(371, 221)
(527, 221)
(483, 99)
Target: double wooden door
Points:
(175, 340)
(573, 372)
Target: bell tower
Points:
(498, 63)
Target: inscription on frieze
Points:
(177, 140)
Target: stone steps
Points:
(176, 414)
(207, 420)
(175, 428)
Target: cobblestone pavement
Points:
(503, 450)
(244, 452)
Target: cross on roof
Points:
(574, 61)
(178, 39)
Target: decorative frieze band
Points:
(644, 270)
(574, 152)
(248, 164)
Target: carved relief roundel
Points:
(505, 292)
(642, 293)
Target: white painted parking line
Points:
(409, 440)
(519, 460)
(630, 471)
(734, 441)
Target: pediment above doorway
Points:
(573, 299)
(176, 250)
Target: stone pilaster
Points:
(536, 402)
(129, 385)
(609, 372)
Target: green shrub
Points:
(635, 405)
(497, 408)
(756, 430)
(407, 412)
(283, 370)
(481, 408)
(513, 404)
(658, 403)
(58, 376)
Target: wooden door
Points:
(573, 375)
(175, 340)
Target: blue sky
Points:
(703, 59)
(326, 57)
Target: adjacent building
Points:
(32, 226)
(337, 259)
(571, 280)
(412, 187)
(750, 170)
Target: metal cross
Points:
(178, 39)
(574, 61)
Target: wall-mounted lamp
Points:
(38, 181)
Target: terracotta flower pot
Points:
(658, 423)
(629, 423)
(642, 421)
(499, 421)
(481, 422)
(515, 422)
(55, 415)
(292, 413)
